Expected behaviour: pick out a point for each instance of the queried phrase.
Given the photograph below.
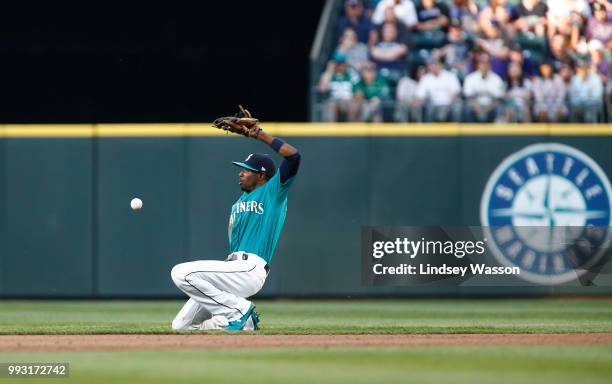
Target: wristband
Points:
(277, 144)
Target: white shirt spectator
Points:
(558, 9)
(589, 90)
(406, 90)
(484, 88)
(404, 12)
(439, 90)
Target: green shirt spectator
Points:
(377, 88)
(337, 83)
(369, 94)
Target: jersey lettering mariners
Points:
(257, 218)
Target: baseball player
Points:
(218, 290)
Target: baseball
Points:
(136, 204)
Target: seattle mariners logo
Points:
(546, 209)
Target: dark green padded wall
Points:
(47, 217)
(136, 249)
(68, 228)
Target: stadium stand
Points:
(461, 60)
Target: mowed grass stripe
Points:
(457, 364)
(320, 317)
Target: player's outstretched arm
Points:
(284, 150)
(291, 162)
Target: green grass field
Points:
(540, 364)
(321, 317)
(491, 364)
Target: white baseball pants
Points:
(217, 288)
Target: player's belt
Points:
(245, 256)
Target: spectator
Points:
(495, 45)
(518, 95)
(355, 52)
(578, 25)
(456, 52)
(586, 92)
(355, 18)
(529, 16)
(370, 93)
(389, 53)
(549, 94)
(337, 83)
(432, 15)
(479, 48)
(566, 73)
(483, 90)
(559, 16)
(599, 61)
(560, 51)
(407, 107)
(440, 92)
(528, 65)
(402, 11)
(599, 27)
(495, 15)
(464, 13)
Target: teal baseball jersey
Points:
(257, 218)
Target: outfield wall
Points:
(67, 228)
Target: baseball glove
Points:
(242, 123)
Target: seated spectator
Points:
(528, 65)
(456, 53)
(559, 16)
(599, 27)
(464, 13)
(402, 11)
(432, 15)
(566, 73)
(495, 15)
(337, 83)
(355, 18)
(549, 93)
(529, 16)
(518, 95)
(355, 52)
(600, 62)
(407, 106)
(483, 90)
(495, 44)
(370, 93)
(578, 22)
(389, 53)
(560, 51)
(439, 92)
(404, 32)
(585, 94)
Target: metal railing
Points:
(322, 46)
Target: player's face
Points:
(249, 180)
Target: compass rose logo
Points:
(546, 209)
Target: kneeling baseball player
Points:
(218, 290)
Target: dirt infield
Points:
(124, 342)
